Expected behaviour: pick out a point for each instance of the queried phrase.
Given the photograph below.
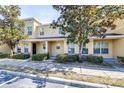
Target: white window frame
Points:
(29, 30)
(41, 31)
(84, 46)
(101, 47)
(18, 47)
(26, 47)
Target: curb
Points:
(80, 84)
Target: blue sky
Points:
(44, 13)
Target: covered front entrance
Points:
(52, 47)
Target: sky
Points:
(44, 13)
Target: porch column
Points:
(46, 46)
(30, 48)
(91, 46)
(65, 46)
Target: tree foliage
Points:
(11, 27)
(84, 21)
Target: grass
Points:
(89, 64)
(69, 75)
(103, 65)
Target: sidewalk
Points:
(115, 64)
(77, 67)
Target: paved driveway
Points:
(77, 67)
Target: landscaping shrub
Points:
(4, 55)
(63, 58)
(21, 56)
(84, 58)
(40, 57)
(95, 59)
(120, 59)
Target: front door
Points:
(34, 48)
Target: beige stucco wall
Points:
(118, 47)
(28, 24)
(34, 25)
(4, 48)
(53, 50)
(49, 31)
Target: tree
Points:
(11, 27)
(84, 21)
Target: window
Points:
(84, 50)
(42, 31)
(97, 48)
(100, 48)
(71, 49)
(29, 30)
(18, 50)
(104, 49)
(26, 48)
(61, 31)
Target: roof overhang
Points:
(109, 37)
(43, 39)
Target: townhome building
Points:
(42, 38)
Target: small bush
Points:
(63, 58)
(4, 55)
(21, 56)
(84, 58)
(120, 59)
(95, 59)
(40, 57)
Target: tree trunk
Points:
(12, 52)
(80, 52)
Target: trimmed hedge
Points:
(95, 59)
(4, 55)
(40, 57)
(64, 58)
(21, 56)
(120, 59)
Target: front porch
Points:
(53, 47)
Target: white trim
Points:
(52, 39)
(108, 37)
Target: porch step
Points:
(110, 60)
(52, 58)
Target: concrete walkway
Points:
(115, 64)
(76, 67)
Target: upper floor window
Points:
(29, 30)
(61, 30)
(84, 49)
(42, 32)
(101, 48)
